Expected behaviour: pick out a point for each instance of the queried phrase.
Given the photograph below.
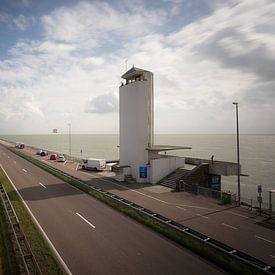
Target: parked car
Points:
(93, 164)
(61, 158)
(19, 145)
(53, 157)
(43, 153)
(39, 152)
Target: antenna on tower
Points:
(126, 60)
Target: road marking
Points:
(25, 170)
(14, 162)
(85, 220)
(42, 185)
(272, 256)
(39, 226)
(236, 214)
(266, 240)
(202, 216)
(127, 188)
(181, 208)
(8, 157)
(46, 161)
(230, 226)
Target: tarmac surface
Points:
(91, 237)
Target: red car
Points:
(53, 157)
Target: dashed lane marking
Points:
(14, 162)
(202, 216)
(42, 185)
(85, 220)
(8, 157)
(263, 239)
(272, 256)
(181, 208)
(230, 226)
(25, 170)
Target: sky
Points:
(61, 62)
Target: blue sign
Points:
(260, 189)
(143, 172)
(215, 181)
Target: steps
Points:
(190, 174)
(129, 179)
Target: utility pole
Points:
(70, 140)
(238, 152)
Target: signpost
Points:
(260, 199)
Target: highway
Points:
(237, 227)
(91, 237)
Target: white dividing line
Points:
(263, 239)
(39, 226)
(236, 214)
(230, 226)
(85, 220)
(42, 185)
(272, 256)
(127, 188)
(8, 157)
(14, 162)
(202, 216)
(181, 208)
(24, 170)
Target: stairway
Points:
(129, 179)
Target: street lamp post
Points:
(238, 152)
(70, 140)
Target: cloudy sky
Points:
(61, 62)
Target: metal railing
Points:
(27, 263)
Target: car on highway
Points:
(61, 158)
(19, 145)
(53, 157)
(43, 153)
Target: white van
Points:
(95, 164)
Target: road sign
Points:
(143, 172)
(260, 188)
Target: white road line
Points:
(8, 157)
(40, 227)
(230, 226)
(14, 162)
(85, 220)
(236, 214)
(42, 185)
(266, 240)
(181, 208)
(202, 216)
(25, 170)
(128, 188)
(272, 256)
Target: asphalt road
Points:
(91, 237)
(237, 227)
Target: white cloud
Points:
(20, 21)
(199, 69)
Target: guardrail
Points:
(229, 251)
(27, 263)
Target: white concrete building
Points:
(139, 157)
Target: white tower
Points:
(136, 108)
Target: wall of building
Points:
(160, 168)
(135, 118)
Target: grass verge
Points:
(8, 262)
(46, 260)
(217, 257)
